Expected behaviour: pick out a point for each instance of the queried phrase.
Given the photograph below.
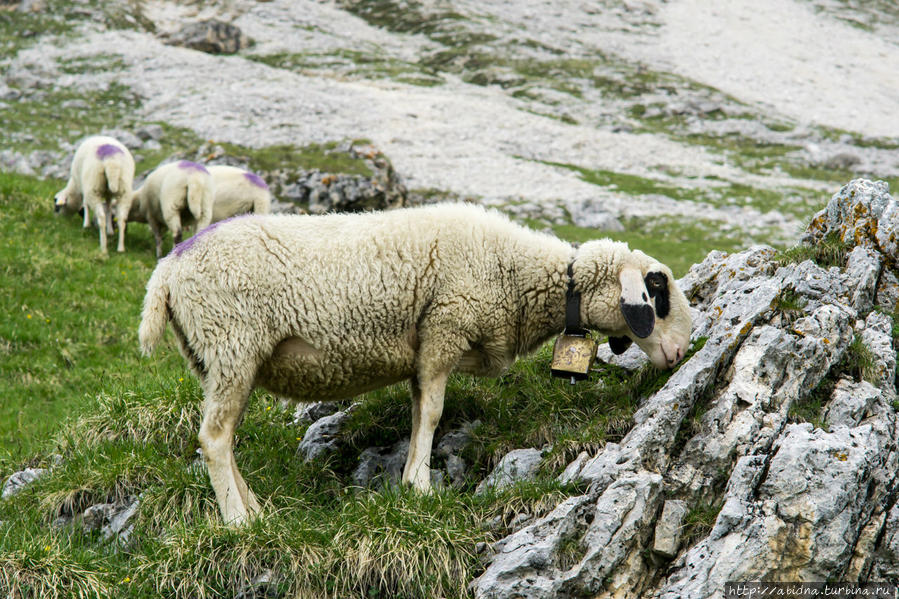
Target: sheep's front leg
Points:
(87, 216)
(427, 407)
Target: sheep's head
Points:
(66, 202)
(634, 298)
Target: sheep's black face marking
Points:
(657, 285)
(619, 345)
(639, 318)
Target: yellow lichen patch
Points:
(746, 328)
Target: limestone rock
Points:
(798, 502)
(518, 464)
(211, 36)
(321, 437)
(668, 529)
(19, 480)
(382, 465)
(307, 413)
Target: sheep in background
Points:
(237, 192)
(327, 307)
(175, 195)
(101, 181)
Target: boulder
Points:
(211, 36)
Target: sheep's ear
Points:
(619, 345)
(635, 306)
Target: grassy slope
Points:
(74, 384)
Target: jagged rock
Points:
(456, 469)
(632, 359)
(453, 442)
(112, 519)
(849, 403)
(120, 523)
(382, 465)
(321, 437)
(211, 36)
(877, 337)
(888, 291)
(668, 530)
(19, 480)
(799, 502)
(97, 516)
(863, 214)
(518, 464)
(307, 413)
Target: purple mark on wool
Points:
(193, 166)
(107, 150)
(256, 180)
(189, 243)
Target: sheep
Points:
(176, 195)
(331, 306)
(237, 192)
(101, 181)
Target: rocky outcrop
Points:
(212, 36)
(773, 449)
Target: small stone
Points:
(382, 465)
(669, 528)
(19, 480)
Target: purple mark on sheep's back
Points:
(188, 165)
(256, 180)
(107, 150)
(189, 243)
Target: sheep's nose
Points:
(678, 354)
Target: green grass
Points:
(830, 251)
(75, 386)
(699, 521)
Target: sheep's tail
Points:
(156, 313)
(199, 201)
(262, 203)
(113, 170)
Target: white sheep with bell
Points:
(101, 180)
(327, 307)
(174, 195)
(237, 191)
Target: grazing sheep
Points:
(327, 307)
(176, 195)
(237, 192)
(101, 179)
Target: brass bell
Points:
(573, 356)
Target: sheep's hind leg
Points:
(222, 412)
(101, 224)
